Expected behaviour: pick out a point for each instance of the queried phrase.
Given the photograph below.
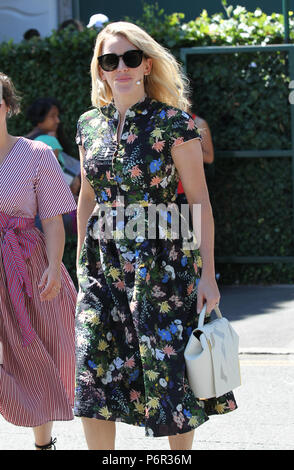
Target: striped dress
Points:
(37, 356)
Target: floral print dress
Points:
(138, 288)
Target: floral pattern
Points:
(137, 295)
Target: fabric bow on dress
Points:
(17, 242)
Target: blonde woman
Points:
(139, 288)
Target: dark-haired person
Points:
(31, 33)
(72, 24)
(44, 114)
(37, 295)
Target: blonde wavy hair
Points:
(166, 82)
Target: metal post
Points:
(291, 73)
(286, 20)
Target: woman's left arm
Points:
(50, 283)
(188, 160)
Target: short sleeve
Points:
(181, 126)
(54, 196)
(79, 139)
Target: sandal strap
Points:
(47, 446)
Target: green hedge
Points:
(57, 66)
(244, 98)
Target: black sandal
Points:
(47, 446)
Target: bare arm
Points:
(54, 238)
(86, 205)
(188, 160)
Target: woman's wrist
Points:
(208, 273)
(55, 266)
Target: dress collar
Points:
(140, 107)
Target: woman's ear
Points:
(148, 66)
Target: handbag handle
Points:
(202, 315)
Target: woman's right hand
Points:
(50, 284)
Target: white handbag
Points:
(212, 357)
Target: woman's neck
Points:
(5, 138)
(7, 142)
(122, 104)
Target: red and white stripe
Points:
(36, 381)
(17, 243)
(31, 181)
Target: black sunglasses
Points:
(132, 59)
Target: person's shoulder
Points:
(47, 139)
(175, 124)
(166, 111)
(89, 116)
(34, 152)
(35, 146)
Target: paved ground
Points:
(264, 320)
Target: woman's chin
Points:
(125, 87)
